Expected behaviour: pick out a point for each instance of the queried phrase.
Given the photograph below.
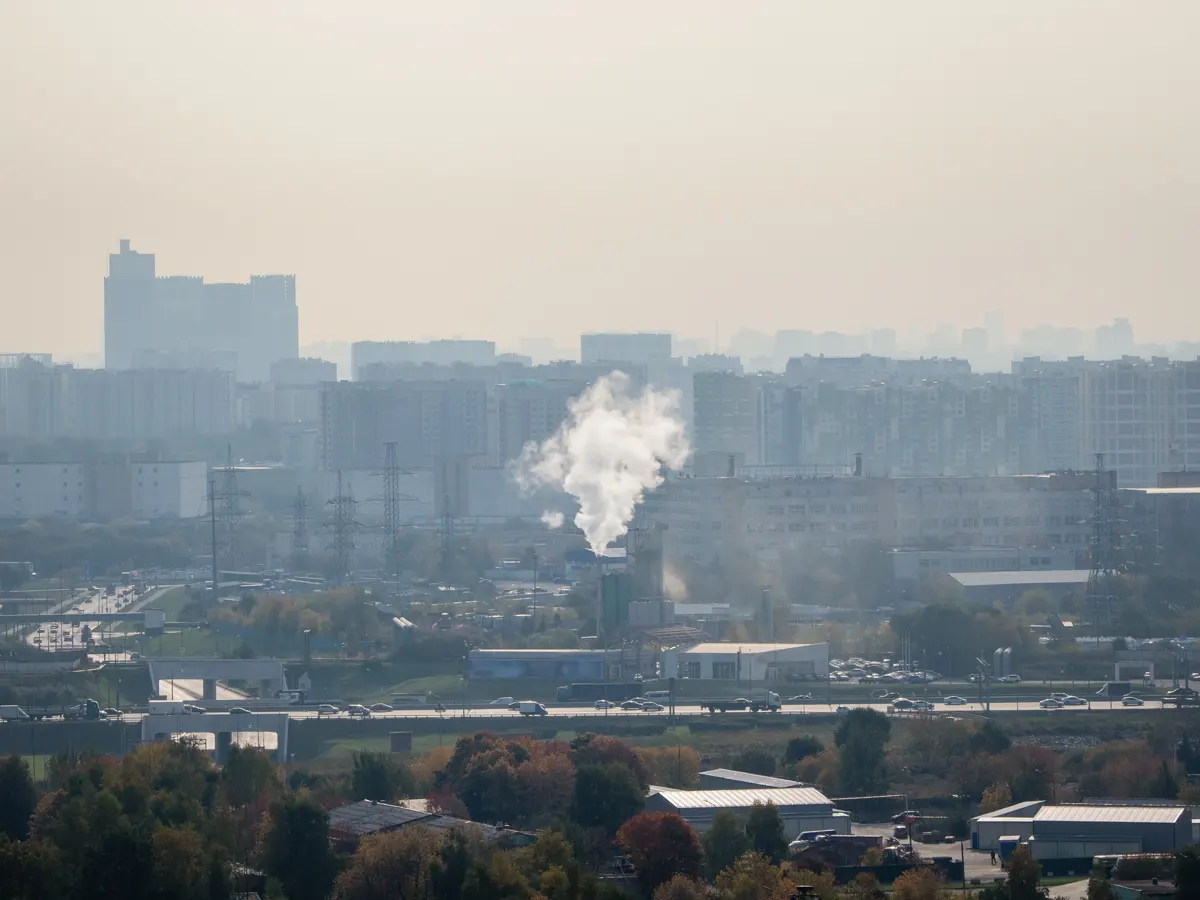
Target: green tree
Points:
(18, 798)
(998, 796)
(398, 865)
(753, 877)
(1187, 872)
(660, 845)
(764, 828)
(755, 760)
(861, 738)
(1164, 784)
(681, 887)
(800, 747)
(247, 775)
(31, 870)
(606, 796)
(295, 848)
(1024, 876)
(376, 776)
(990, 738)
(724, 841)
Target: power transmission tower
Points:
(345, 526)
(1101, 596)
(300, 530)
(391, 508)
(231, 507)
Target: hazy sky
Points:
(542, 167)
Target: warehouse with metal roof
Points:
(732, 779)
(801, 808)
(351, 823)
(1076, 830)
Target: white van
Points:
(658, 696)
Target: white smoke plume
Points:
(553, 519)
(608, 453)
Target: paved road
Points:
(69, 635)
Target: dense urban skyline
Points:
(794, 167)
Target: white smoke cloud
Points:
(608, 453)
(553, 519)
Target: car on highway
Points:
(923, 705)
(903, 703)
(112, 713)
(380, 707)
(604, 704)
(239, 711)
(1011, 678)
(327, 709)
(1051, 703)
(651, 706)
(842, 709)
(1130, 700)
(884, 695)
(953, 700)
(800, 698)
(503, 701)
(632, 706)
(191, 708)
(1072, 700)
(357, 709)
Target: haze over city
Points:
(478, 170)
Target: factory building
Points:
(1079, 830)
(730, 661)
(801, 808)
(732, 779)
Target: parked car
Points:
(1130, 700)
(1051, 703)
(380, 707)
(953, 700)
(906, 817)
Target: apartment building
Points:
(419, 353)
(427, 420)
(641, 348)
(257, 322)
(105, 490)
(711, 520)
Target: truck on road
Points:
(88, 710)
(169, 707)
(531, 708)
(12, 713)
(770, 703)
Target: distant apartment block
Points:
(302, 371)
(44, 402)
(103, 491)
(709, 518)
(12, 360)
(643, 348)
(420, 353)
(428, 420)
(152, 320)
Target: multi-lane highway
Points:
(67, 634)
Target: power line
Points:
(231, 512)
(300, 530)
(345, 526)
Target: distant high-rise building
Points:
(147, 316)
(640, 348)
(420, 353)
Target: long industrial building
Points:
(1081, 830)
(801, 808)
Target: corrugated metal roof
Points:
(750, 778)
(732, 647)
(738, 799)
(999, 579)
(365, 817)
(1081, 813)
(1025, 806)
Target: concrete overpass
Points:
(222, 726)
(267, 673)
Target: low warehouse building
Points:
(802, 809)
(732, 661)
(732, 779)
(565, 665)
(1078, 830)
(987, 829)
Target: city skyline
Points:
(795, 167)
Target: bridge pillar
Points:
(210, 689)
(221, 743)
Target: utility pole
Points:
(231, 505)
